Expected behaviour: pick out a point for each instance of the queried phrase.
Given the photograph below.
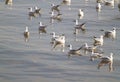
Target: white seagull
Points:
(109, 3)
(87, 48)
(79, 27)
(111, 33)
(26, 34)
(67, 2)
(42, 28)
(55, 17)
(95, 55)
(80, 13)
(60, 41)
(74, 51)
(99, 1)
(37, 10)
(55, 8)
(107, 60)
(54, 36)
(98, 40)
(98, 7)
(31, 13)
(8, 2)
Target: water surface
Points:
(34, 61)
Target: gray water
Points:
(34, 61)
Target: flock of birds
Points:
(59, 40)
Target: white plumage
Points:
(37, 10)
(68, 2)
(109, 3)
(59, 41)
(74, 51)
(98, 7)
(111, 33)
(79, 27)
(26, 34)
(31, 13)
(8, 2)
(98, 40)
(87, 48)
(107, 60)
(42, 28)
(80, 13)
(95, 55)
(54, 36)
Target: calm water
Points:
(34, 61)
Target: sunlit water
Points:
(34, 61)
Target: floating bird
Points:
(55, 8)
(54, 36)
(111, 34)
(31, 13)
(37, 10)
(8, 2)
(87, 48)
(80, 13)
(26, 34)
(59, 41)
(107, 60)
(109, 3)
(99, 1)
(98, 41)
(55, 17)
(74, 51)
(67, 2)
(42, 28)
(58, 17)
(98, 7)
(79, 27)
(51, 17)
(95, 55)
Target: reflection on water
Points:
(34, 60)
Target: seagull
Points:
(98, 7)
(95, 55)
(59, 41)
(31, 13)
(99, 1)
(80, 13)
(67, 2)
(109, 3)
(37, 10)
(26, 34)
(74, 51)
(55, 17)
(98, 40)
(87, 48)
(8, 2)
(111, 33)
(79, 26)
(42, 28)
(52, 16)
(55, 8)
(54, 36)
(107, 60)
